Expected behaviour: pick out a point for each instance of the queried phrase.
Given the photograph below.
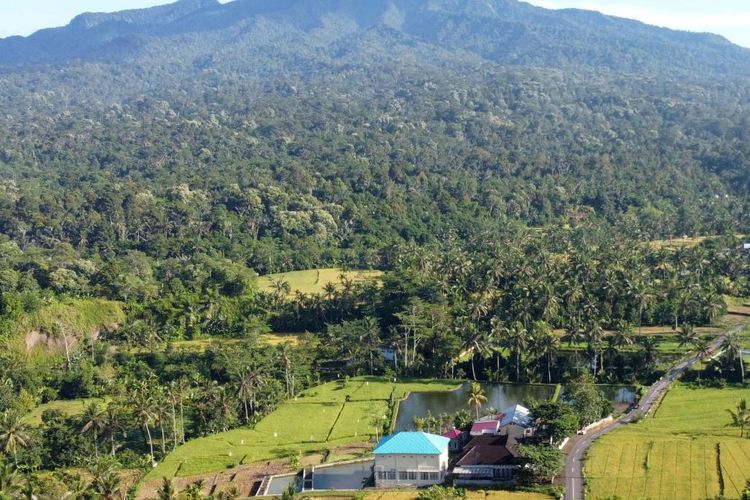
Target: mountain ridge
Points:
(505, 32)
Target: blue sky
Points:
(730, 18)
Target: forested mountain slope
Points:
(501, 31)
(502, 168)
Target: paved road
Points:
(574, 485)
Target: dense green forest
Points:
(154, 163)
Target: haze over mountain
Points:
(332, 32)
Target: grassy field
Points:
(266, 338)
(322, 418)
(684, 242)
(676, 454)
(313, 280)
(71, 408)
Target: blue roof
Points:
(412, 443)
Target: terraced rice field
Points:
(324, 417)
(685, 451)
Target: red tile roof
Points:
(453, 434)
(486, 427)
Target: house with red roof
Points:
(485, 427)
(487, 461)
(458, 439)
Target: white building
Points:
(411, 459)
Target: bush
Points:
(441, 493)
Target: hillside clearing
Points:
(314, 280)
(71, 408)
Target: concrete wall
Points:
(516, 431)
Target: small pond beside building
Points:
(499, 396)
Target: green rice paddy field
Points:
(327, 416)
(686, 450)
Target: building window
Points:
(434, 476)
(391, 475)
(424, 476)
(412, 475)
(402, 475)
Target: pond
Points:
(499, 396)
(616, 394)
(619, 394)
(351, 476)
(279, 484)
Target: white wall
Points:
(410, 463)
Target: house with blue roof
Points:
(412, 459)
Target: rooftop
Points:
(484, 427)
(489, 450)
(518, 415)
(412, 443)
(453, 434)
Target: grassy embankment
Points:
(327, 416)
(686, 450)
(40, 334)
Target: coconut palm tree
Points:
(648, 347)
(546, 343)
(741, 417)
(13, 434)
(94, 421)
(167, 490)
(497, 328)
(105, 481)
(180, 391)
(516, 341)
(142, 407)
(8, 480)
(703, 349)
(420, 423)
(574, 335)
(114, 422)
(623, 334)
(594, 335)
(76, 486)
(687, 335)
(249, 381)
(476, 397)
(732, 346)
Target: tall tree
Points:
(13, 434)
(741, 416)
(477, 397)
(732, 346)
(94, 421)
